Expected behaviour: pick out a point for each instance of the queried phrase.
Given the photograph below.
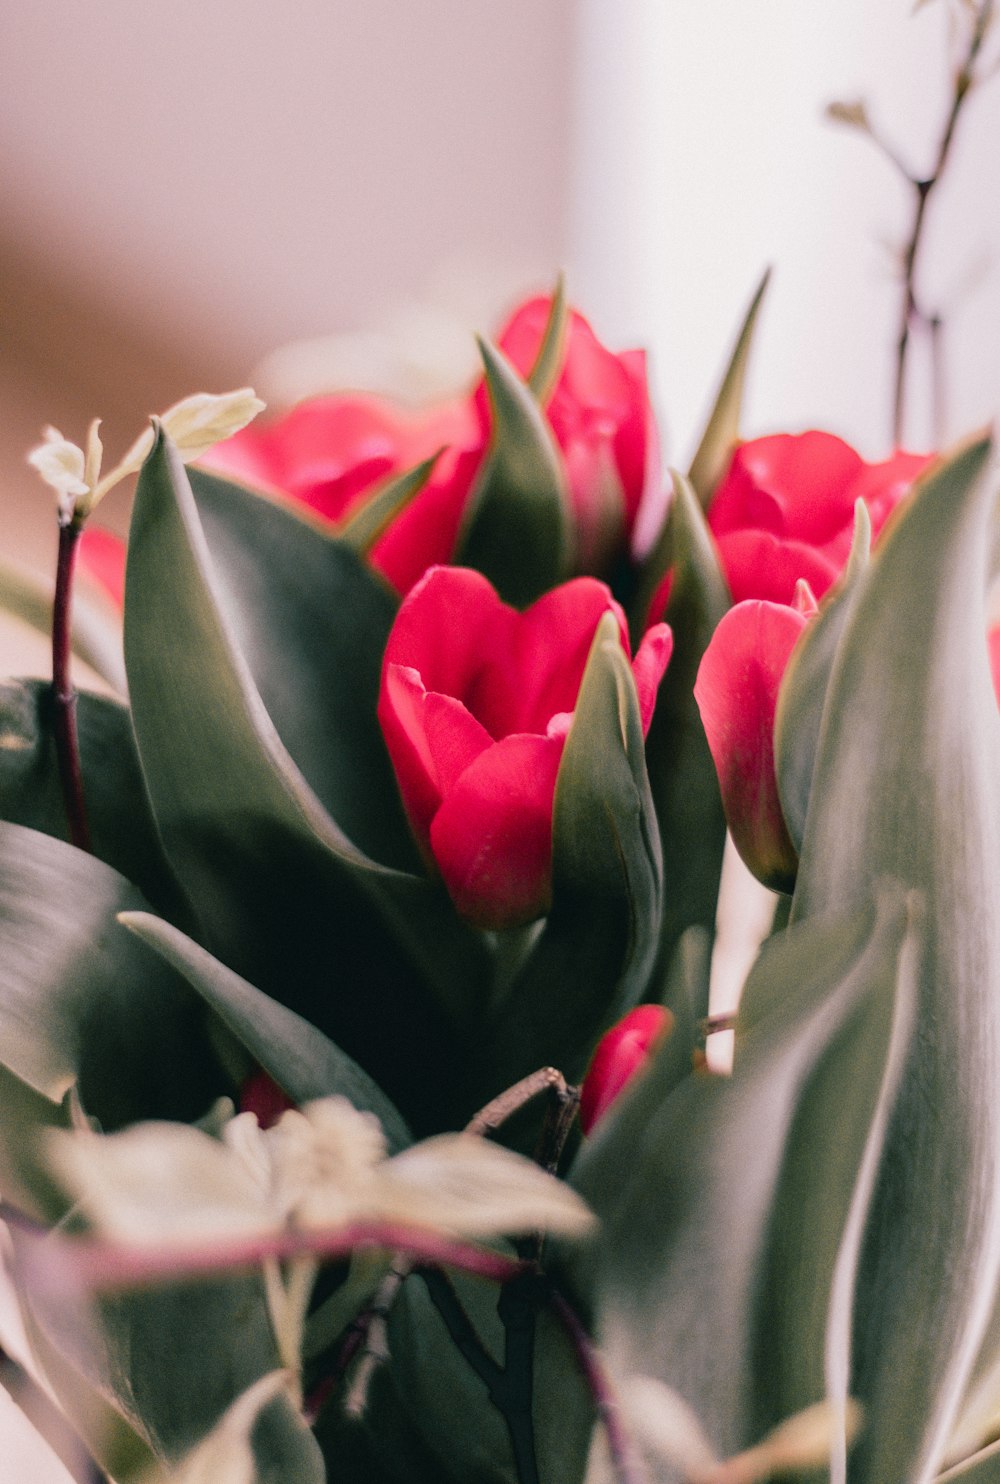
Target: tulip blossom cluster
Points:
(406, 845)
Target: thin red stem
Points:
(63, 692)
(624, 1458)
(92, 1263)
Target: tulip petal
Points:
(431, 738)
(649, 666)
(797, 485)
(492, 836)
(621, 1052)
(102, 557)
(737, 692)
(759, 564)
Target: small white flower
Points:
(196, 424)
(62, 465)
(320, 1168)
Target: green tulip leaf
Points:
(122, 831)
(311, 621)
(701, 1275)
(723, 429)
(80, 1001)
(907, 784)
(96, 632)
(805, 683)
(303, 1062)
(982, 1468)
(596, 952)
(365, 526)
(284, 895)
(547, 369)
(682, 775)
(517, 528)
(170, 1360)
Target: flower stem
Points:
(625, 1462)
(911, 313)
(63, 692)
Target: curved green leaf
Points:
(805, 682)
(548, 365)
(594, 958)
(723, 430)
(95, 636)
(517, 527)
(907, 783)
(283, 895)
(80, 1002)
(123, 833)
(682, 775)
(364, 528)
(982, 1468)
(699, 1274)
(299, 1057)
(311, 621)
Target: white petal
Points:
(666, 1427)
(60, 463)
(198, 422)
(464, 1185)
(161, 1183)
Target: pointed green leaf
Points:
(907, 783)
(364, 528)
(517, 528)
(299, 1057)
(123, 833)
(982, 1468)
(96, 636)
(548, 365)
(804, 686)
(723, 430)
(80, 1001)
(697, 1225)
(24, 1179)
(595, 955)
(311, 621)
(682, 775)
(284, 895)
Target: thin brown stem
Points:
(506, 1104)
(910, 312)
(63, 691)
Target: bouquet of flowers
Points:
(358, 1118)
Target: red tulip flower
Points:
(737, 695)
(602, 418)
(785, 510)
(476, 702)
(621, 1052)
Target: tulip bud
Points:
(621, 1052)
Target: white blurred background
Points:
(190, 186)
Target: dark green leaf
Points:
(722, 433)
(699, 1271)
(682, 775)
(311, 621)
(299, 1057)
(517, 528)
(372, 955)
(80, 1001)
(122, 830)
(594, 957)
(907, 783)
(804, 686)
